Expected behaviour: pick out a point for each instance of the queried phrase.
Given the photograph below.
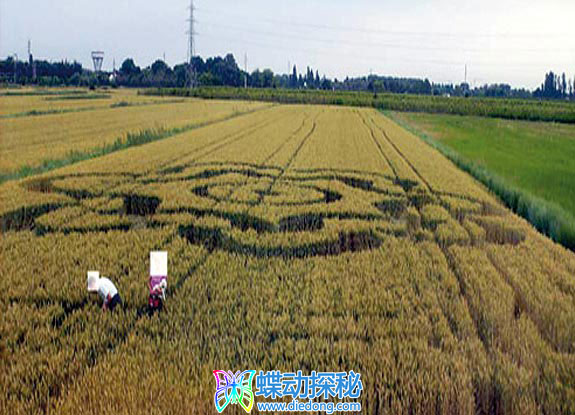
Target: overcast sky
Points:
(510, 41)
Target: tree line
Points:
(224, 71)
(555, 86)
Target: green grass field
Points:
(528, 165)
(534, 156)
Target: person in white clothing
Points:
(105, 289)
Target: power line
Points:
(384, 32)
(385, 45)
(372, 44)
(370, 58)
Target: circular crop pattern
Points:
(266, 212)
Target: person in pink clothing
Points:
(158, 281)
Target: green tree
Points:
(160, 67)
(267, 78)
(129, 68)
(181, 73)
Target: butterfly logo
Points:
(235, 388)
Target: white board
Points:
(159, 263)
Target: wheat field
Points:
(15, 103)
(31, 140)
(299, 237)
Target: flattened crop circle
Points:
(259, 211)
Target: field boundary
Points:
(513, 109)
(547, 217)
(119, 104)
(121, 143)
(41, 92)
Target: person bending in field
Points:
(106, 289)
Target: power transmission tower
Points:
(31, 62)
(15, 67)
(246, 70)
(191, 46)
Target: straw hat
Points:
(93, 281)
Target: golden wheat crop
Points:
(74, 99)
(312, 238)
(31, 140)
